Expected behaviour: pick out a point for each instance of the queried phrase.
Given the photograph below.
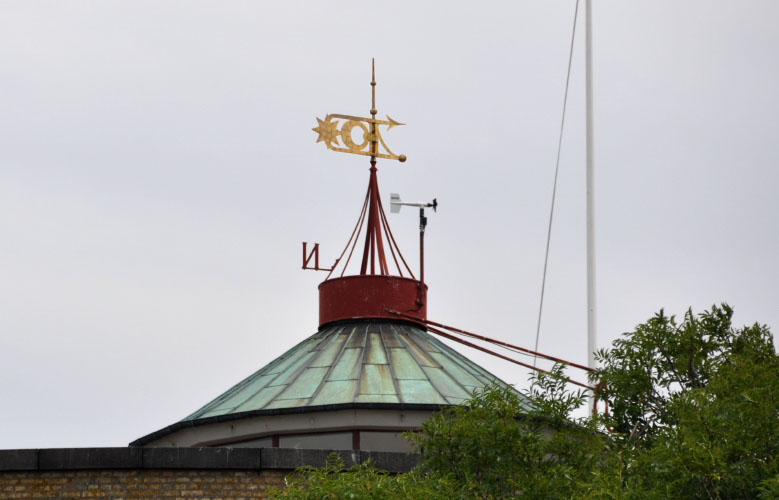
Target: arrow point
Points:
(393, 123)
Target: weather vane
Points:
(371, 137)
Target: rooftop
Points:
(356, 362)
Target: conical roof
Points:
(356, 362)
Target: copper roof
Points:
(357, 362)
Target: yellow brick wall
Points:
(137, 484)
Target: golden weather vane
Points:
(371, 136)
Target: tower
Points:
(372, 370)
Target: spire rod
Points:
(374, 142)
(373, 239)
(373, 86)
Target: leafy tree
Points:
(497, 447)
(695, 405)
(694, 413)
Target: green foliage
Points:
(364, 481)
(695, 405)
(494, 447)
(694, 413)
(769, 489)
(648, 369)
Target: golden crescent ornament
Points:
(341, 140)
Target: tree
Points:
(695, 405)
(497, 447)
(694, 413)
(361, 481)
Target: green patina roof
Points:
(360, 362)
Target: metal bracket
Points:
(315, 254)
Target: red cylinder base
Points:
(370, 296)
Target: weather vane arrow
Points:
(342, 139)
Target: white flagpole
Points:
(591, 318)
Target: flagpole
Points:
(591, 317)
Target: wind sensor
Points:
(395, 205)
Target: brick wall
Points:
(137, 484)
(134, 472)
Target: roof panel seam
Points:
(391, 367)
(332, 367)
(362, 363)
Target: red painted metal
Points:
(358, 228)
(392, 244)
(421, 246)
(498, 342)
(355, 440)
(374, 246)
(355, 231)
(315, 255)
(374, 259)
(484, 349)
(371, 296)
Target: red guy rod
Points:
(487, 339)
(469, 344)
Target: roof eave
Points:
(165, 431)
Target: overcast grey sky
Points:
(158, 172)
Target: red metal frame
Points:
(498, 342)
(315, 254)
(377, 235)
(370, 296)
(484, 349)
(430, 327)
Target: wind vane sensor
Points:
(396, 204)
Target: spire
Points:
(378, 236)
(385, 281)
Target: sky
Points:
(158, 174)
